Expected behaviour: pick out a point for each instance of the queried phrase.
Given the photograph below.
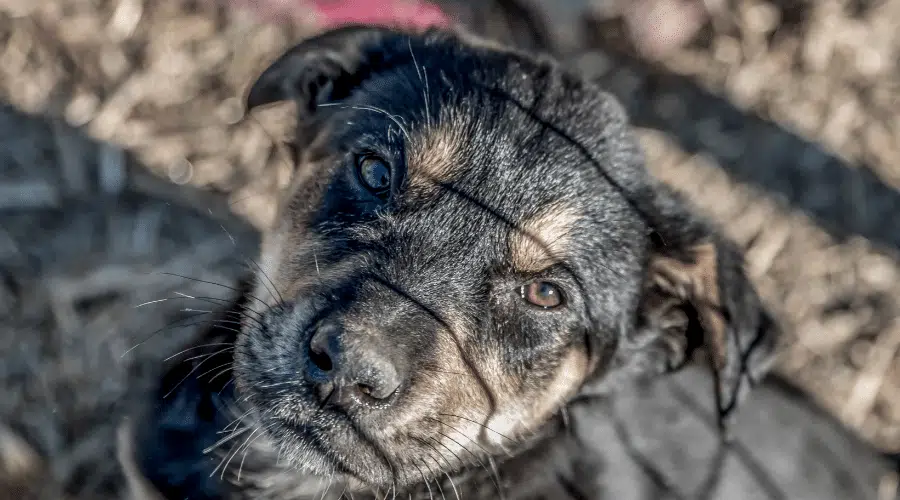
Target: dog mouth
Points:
(334, 445)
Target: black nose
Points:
(351, 370)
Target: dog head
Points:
(470, 241)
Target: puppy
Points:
(470, 246)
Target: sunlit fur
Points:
(507, 169)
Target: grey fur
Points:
(521, 143)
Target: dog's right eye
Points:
(374, 173)
(542, 294)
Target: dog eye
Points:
(374, 173)
(542, 294)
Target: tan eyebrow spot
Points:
(542, 240)
(435, 152)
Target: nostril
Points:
(322, 350)
(376, 392)
(362, 372)
(379, 383)
(320, 359)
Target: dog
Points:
(470, 260)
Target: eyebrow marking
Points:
(542, 240)
(436, 150)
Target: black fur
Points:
(522, 138)
(190, 414)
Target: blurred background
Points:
(124, 150)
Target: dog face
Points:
(469, 242)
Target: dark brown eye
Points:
(374, 173)
(542, 294)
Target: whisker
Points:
(435, 476)
(237, 421)
(157, 301)
(476, 457)
(277, 294)
(170, 325)
(258, 267)
(219, 301)
(235, 314)
(230, 455)
(424, 480)
(246, 449)
(195, 347)
(413, 55)
(449, 465)
(458, 459)
(206, 355)
(393, 118)
(196, 367)
(479, 424)
(198, 280)
(330, 481)
(452, 485)
(229, 437)
(445, 472)
(221, 322)
(427, 96)
(207, 372)
(230, 381)
(493, 466)
(276, 384)
(422, 79)
(247, 442)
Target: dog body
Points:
(470, 259)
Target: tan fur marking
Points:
(543, 240)
(287, 258)
(434, 153)
(569, 377)
(276, 276)
(697, 282)
(526, 413)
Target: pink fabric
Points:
(392, 12)
(658, 27)
(333, 13)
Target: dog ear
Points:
(697, 297)
(326, 67)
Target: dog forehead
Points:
(499, 139)
(499, 90)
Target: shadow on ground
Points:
(842, 198)
(86, 238)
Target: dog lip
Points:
(323, 442)
(303, 433)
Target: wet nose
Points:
(351, 371)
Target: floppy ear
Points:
(326, 67)
(697, 297)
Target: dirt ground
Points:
(781, 119)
